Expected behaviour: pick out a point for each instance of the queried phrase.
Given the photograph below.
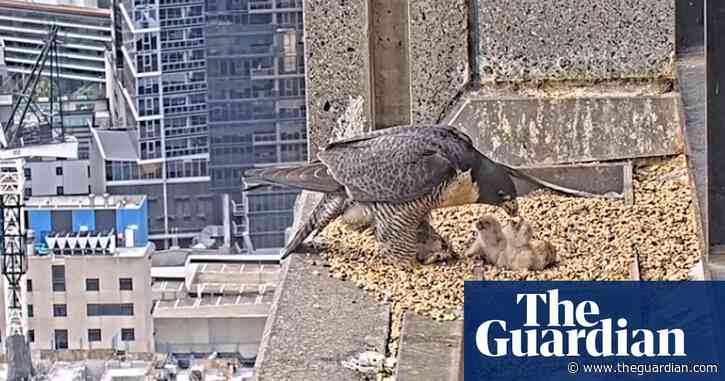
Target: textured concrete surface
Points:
(600, 178)
(521, 40)
(430, 350)
(438, 50)
(391, 77)
(522, 131)
(337, 61)
(317, 322)
(691, 84)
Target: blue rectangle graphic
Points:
(584, 331)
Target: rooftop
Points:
(116, 145)
(90, 201)
(123, 252)
(250, 304)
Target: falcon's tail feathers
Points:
(573, 192)
(327, 210)
(311, 176)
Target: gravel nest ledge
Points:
(595, 239)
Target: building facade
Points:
(212, 88)
(255, 71)
(159, 64)
(69, 177)
(84, 31)
(88, 284)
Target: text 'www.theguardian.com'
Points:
(641, 369)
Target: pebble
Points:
(596, 239)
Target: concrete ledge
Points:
(430, 350)
(593, 178)
(522, 131)
(317, 322)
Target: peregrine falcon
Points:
(391, 179)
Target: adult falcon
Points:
(392, 179)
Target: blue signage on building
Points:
(594, 331)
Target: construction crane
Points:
(42, 136)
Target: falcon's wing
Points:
(312, 176)
(387, 168)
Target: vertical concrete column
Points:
(407, 60)
(438, 56)
(391, 74)
(337, 63)
(227, 217)
(715, 114)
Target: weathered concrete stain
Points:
(527, 131)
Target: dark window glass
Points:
(31, 335)
(125, 284)
(59, 310)
(59, 191)
(28, 173)
(92, 284)
(59, 171)
(31, 313)
(29, 285)
(58, 278)
(94, 334)
(109, 309)
(127, 334)
(61, 339)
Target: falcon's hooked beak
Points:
(511, 207)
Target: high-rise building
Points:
(160, 71)
(256, 97)
(211, 88)
(85, 33)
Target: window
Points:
(29, 285)
(109, 309)
(30, 311)
(92, 284)
(31, 335)
(59, 171)
(125, 284)
(59, 191)
(59, 310)
(94, 334)
(61, 339)
(28, 192)
(127, 334)
(58, 278)
(27, 173)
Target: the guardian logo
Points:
(573, 330)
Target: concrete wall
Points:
(337, 63)
(45, 182)
(521, 40)
(208, 335)
(77, 268)
(406, 59)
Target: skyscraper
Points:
(210, 88)
(256, 100)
